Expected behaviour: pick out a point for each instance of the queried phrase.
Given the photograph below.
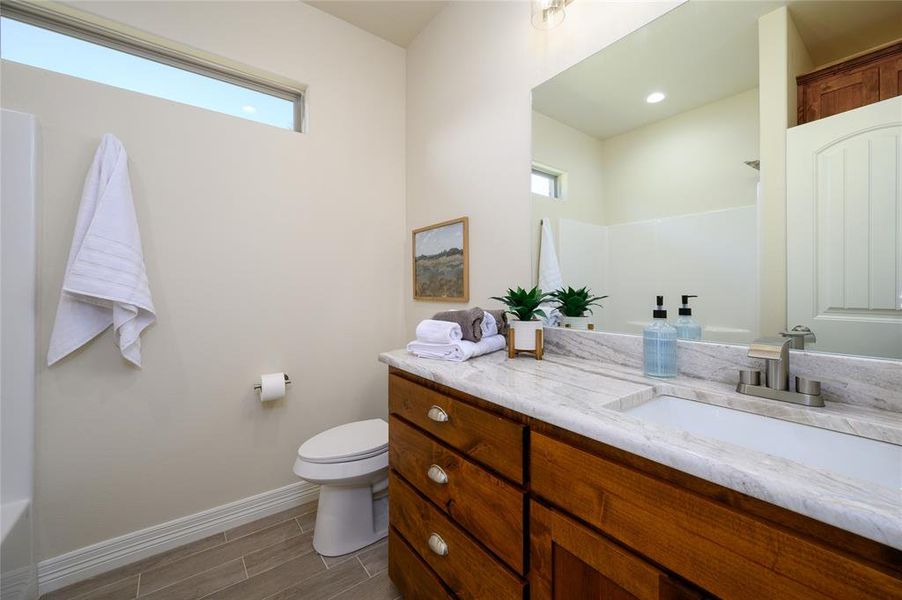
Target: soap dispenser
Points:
(659, 344)
(687, 327)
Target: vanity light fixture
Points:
(548, 14)
(655, 97)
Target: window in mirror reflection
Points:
(545, 183)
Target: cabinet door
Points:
(891, 78)
(840, 92)
(570, 561)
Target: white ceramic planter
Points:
(575, 322)
(524, 333)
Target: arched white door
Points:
(844, 230)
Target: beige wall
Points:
(690, 163)
(578, 155)
(781, 56)
(266, 250)
(469, 76)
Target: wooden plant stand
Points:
(537, 353)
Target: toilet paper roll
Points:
(272, 386)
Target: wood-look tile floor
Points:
(269, 559)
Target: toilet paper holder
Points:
(259, 387)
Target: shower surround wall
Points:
(259, 244)
(634, 262)
(18, 358)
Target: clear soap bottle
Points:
(659, 344)
(687, 327)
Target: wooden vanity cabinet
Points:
(527, 510)
(725, 551)
(850, 84)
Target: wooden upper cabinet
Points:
(853, 83)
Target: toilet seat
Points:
(346, 443)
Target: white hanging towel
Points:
(105, 281)
(549, 271)
(549, 267)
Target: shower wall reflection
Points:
(650, 201)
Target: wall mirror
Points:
(646, 180)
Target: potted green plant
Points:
(574, 306)
(525, 306)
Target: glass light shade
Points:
(547, 14)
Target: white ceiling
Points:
(697, 53)
(398, 22)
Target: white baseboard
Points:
(101, 557)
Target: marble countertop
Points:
(584, 396)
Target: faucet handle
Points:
(750, 376)
(799, 335)
(811, 387)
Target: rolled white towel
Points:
(458, 351)
(489, 325)
(438, 332)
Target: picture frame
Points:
(441, 261)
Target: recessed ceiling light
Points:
(249, 109)
(655, 97)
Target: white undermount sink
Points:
(856, 457)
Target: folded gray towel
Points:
(470, 321)
(500, 318)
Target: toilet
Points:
(350, 464)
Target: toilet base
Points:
(349, 518)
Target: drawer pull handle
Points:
(438, 545)
(437, 474)
(437, 414)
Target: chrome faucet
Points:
(775, 352)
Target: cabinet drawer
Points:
(725, 552)
(485, 505)
(481, 435)
(465, 568)
(412, 577)
(569, 560)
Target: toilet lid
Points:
(348, 442)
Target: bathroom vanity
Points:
(518, 479)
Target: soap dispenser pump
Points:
(687, 327)
(659, 344)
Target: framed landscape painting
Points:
(441, 268)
